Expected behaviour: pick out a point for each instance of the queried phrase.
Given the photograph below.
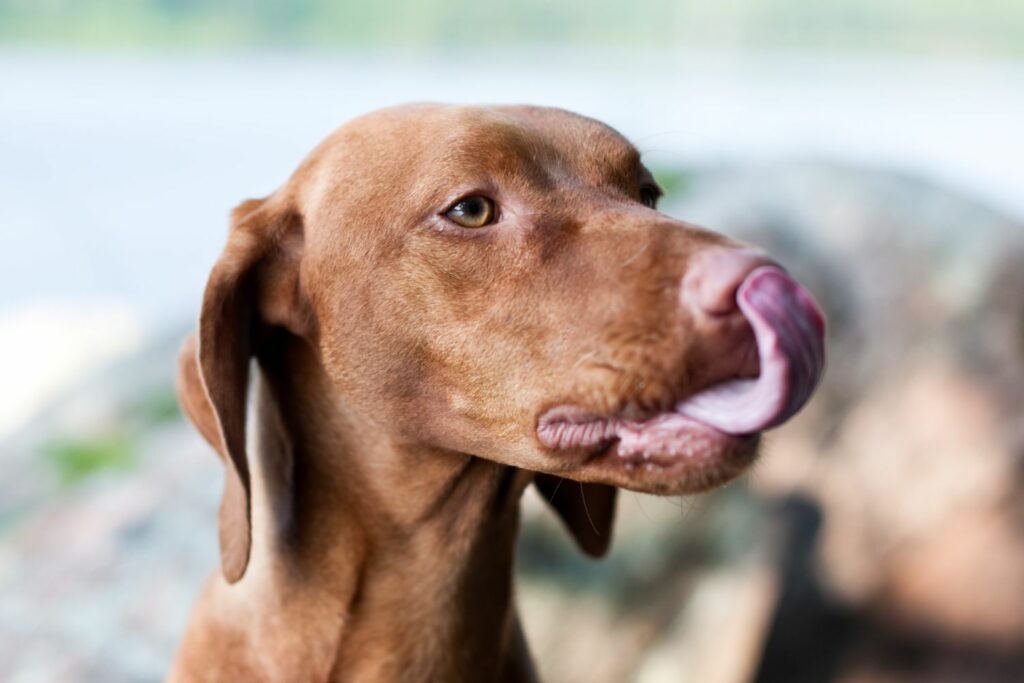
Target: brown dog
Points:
(447, 304)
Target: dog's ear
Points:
(252, 287)
(588, 510)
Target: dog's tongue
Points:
(790, 332)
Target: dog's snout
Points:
(714, 275)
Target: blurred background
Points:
(873, 146)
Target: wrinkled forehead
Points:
(425, 148)
(547, 141)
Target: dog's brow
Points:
(501, 153)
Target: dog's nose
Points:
(715, 274)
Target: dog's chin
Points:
(691, 461)
(667, 454)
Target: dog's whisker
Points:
(636, 255)
(586, 509)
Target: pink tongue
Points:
(790, 332)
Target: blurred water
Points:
(117, 172)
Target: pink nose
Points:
(715, 274)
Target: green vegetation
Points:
(991, 28)
(74, 459)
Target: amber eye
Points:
(472, 212)
(649, 195)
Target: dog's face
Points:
(506, 288)
(497, 281)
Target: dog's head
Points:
(497, 281)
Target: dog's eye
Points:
(472, 212)
(649, 195)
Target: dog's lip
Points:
(567, 427)
(666, 452)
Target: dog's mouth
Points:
(718, 425)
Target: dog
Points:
(445, 305)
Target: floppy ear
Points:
(192, 395)
(213, 370)
(587, 510)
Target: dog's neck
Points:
(368, 571)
